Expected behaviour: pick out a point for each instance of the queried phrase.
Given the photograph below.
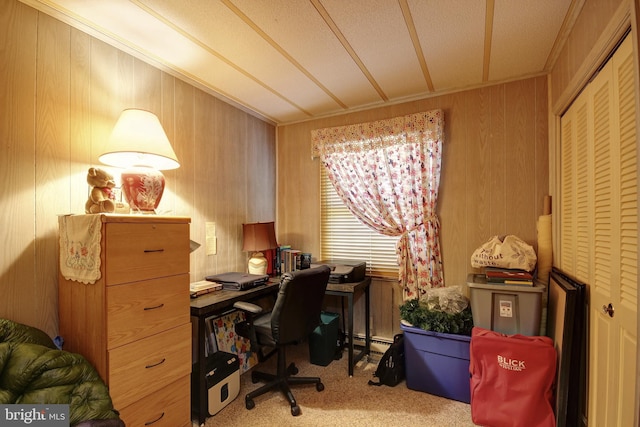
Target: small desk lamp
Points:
(139, 144)
(257, 237)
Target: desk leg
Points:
(350, 332)
(367, 327)
(201, 385)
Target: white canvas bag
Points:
(505, 252)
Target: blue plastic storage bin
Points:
(437, 363)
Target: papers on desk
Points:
(203, 287)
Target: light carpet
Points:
(345, 401)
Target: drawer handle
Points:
(155, 307)
(148, 423)
(156, 364)
(153, 250)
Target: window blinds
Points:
(343, 236)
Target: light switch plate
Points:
(211, 239)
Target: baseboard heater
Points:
(378, 345)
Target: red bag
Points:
(512, 379)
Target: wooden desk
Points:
(348, 290)
(213, 304)
(219, 301)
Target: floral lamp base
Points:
(142, 188)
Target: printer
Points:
(344, 271)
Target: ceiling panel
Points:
(314, 48)
(523, 35)
(378, 33)
(292, 60)
(244, 49)
(452, 39)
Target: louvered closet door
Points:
(577, 155)
(599, 230)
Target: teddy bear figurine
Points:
(101, 198)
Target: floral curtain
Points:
(388, 173)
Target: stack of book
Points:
(288, 259)
(508, 276)
(203, 287)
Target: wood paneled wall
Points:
(61, 92)
(494, 177)
(598, 27)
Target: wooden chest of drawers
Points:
(133, 323)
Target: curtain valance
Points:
(427, 125)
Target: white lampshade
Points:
(139, 144)
(138, 139)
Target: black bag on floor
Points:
(390, 369)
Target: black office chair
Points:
(296, 313)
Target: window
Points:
(343, 236)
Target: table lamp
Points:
(258, 237)
(139, 144)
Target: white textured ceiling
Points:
(294, 60)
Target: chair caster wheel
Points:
(295, 410)
(293, 369)
(254, 380)
(319, 386)
(249, 403)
